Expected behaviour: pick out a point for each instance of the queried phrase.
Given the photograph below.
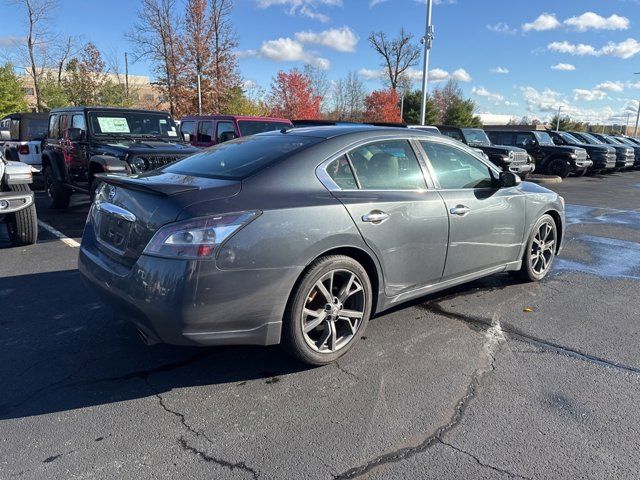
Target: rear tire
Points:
(23, 224)
(540, 250)
(558, 167)
(328, 310)
(59, 195)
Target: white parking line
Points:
(61, 236)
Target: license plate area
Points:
(113, 232)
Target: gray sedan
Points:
(300, 236)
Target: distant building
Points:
(143, 93)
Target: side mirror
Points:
(508, 180)
(187, 137)
(226, 136)
(75, 134)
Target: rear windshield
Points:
(240, 158)
(36, 129)
(252, 127)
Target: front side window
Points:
(240, 158)
(189, 128)
(78, 122)
(205, 132)
(524, 140)
(543, 138)
(389, 165)
(456, 169)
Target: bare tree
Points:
(398, 54)
(156, 35)
(319, 81)
(348, 96)
(66, 51)
(224, 67)
(35, 52)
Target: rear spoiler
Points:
(146, 184)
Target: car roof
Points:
(356, 130)
(233, 117)
(111, 109)
(27, 115)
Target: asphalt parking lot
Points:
(494, 379)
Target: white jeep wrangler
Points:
(17, 207)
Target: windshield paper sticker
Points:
(113, 125)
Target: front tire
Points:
(328, 311)
(540, 250)
(558, 167)
(59, 195)
(23, 224)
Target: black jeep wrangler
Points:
(550, 158)
(508, 158)
(84, 141)
(602, 156)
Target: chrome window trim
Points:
(332, 186)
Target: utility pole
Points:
(427, 40)
(402, 107)
(126, 73)
(626, 128)
(558, 122)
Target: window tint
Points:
(34, 128)
(388, 165)
(453, 134)
(224, 127)
(78, 122)
(14, 130)
(53, 127)
(455, 168)
(251, 127)
(240, 158)
(524, 139)
(189, 128)
(64, 124)
(205, 132)
(340, 171)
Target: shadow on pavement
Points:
(61, 349)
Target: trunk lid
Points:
(130, 210)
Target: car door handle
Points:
(375, 216)
(460, 210)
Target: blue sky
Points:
(503, 51)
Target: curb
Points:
(544, 179)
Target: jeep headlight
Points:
(140, 164)
(511, 155)
(573, 155)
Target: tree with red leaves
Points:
(382, 106)
(292, 96)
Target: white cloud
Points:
(546, 21)
(461, 75)
(588, 95)
(542, 101)
(502, 27)
(591, 20)
(483, 92)
(289, 50)
(501, 70)
(438, 75)
(369, 74)
(306, 8)
(626, 49)
(246, 53)
(565, 67)
(580, 49)
(340, 39)
(610, 86)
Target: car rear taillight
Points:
(197, 239)
(23, 149)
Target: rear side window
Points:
(205, 132)
(340, 172)
(389, 165)
(53, 127)
(222, 128)
(240, 158)
(524, 139)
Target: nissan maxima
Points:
(299, 236)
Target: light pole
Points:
(427, 40)
(558, 121)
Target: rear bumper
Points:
(184, 302)
(11, 202)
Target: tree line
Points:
(191, 43)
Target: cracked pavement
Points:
(494, 379)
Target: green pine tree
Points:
(12, 97)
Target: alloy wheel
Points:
(543, 248)
(333, 311)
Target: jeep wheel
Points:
(59, 195)
(23, 224)
(558, 167)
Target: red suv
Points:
(208, 130)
